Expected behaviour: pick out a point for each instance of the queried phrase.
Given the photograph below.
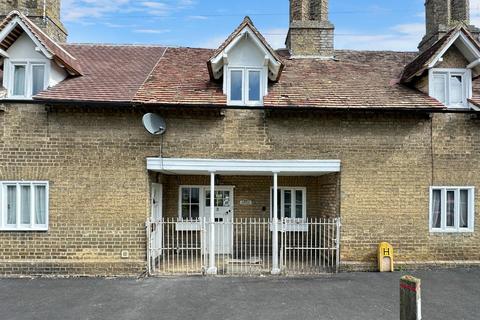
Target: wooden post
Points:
(410, 298)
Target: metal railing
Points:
(244, 246)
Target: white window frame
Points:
(200, 201)
(245, 82)
(282, 202)
(3, 206)
(28, 76)
(471, 210)
(466, 75)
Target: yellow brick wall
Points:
(99, 192)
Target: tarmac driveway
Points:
(448, 294)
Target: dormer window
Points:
(27, 79)
(247, 63)
(452, 87)
(245, 86)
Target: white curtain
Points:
(25, 205)
(11, 205)
(40, 205)
(463, 208)
(437, 209)
(19, 81)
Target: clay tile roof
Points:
(110, 73)
(59, 53)
(357, 79)
(422, 61)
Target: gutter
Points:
(132, 104)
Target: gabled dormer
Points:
(31, 60)
(245, 63)
(445, 71)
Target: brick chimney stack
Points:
(311, 33)
(441, 16)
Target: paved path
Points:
(452, 295)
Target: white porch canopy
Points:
(274, 168)
(243, 167)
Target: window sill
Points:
(188, 226)
(451, 232)
(23, 229)
(291, 226)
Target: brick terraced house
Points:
(314, 155)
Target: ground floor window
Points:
(452, 209)
(291, 203)
(23, 205)
(189, 203)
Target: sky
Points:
(359, 24)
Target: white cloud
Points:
(152, 31)
(400, 37)
(79, 10)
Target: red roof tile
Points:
(110, 73)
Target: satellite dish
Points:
(154, 124)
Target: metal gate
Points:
(305, 247)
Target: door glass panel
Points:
(437, 209)
(464, 208)
(450, 208)
(25, 205)
(11, 205)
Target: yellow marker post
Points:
(385, 257)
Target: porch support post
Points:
(275, 266)
(212, 269)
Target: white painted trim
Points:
(471, 206)
(3, 203)
(465, 41)
(243, 167)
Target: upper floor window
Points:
(452, 209)
(27, 79)
(23, 206)
(245, 86)
(452, 87)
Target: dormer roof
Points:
(461, 37)
(16, 23)
(245, 29)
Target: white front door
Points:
(157, 215)
(223, 218)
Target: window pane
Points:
(236, 86)
(464, 208)
(439, 83)
(19, 74)
(456, 90)
(450, 208)
(254, 85)
(11, 205)
(287, 203)
(185, 211)
(299, 204)
(38, 78)
(185, 195)
(437, 209)
(195, 193)
(195, 211)
(279, 204)
(40, 205)
(25, 205)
